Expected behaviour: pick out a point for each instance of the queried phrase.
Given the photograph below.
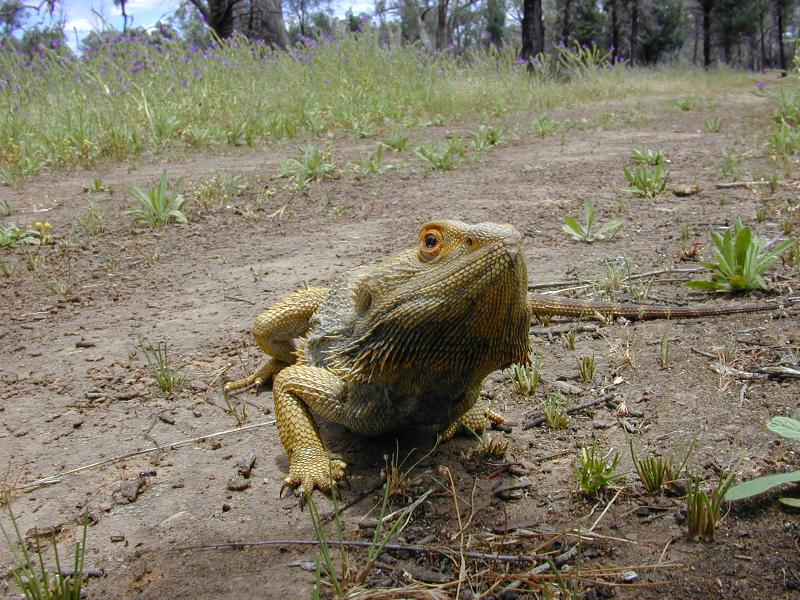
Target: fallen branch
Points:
(741, 184)
(571, 410)
(364, 544)
(552, 284)
(57, 478)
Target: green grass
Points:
(160, 369)
(158, 205)
(81, 113)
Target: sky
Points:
(83, 16)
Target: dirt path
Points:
(199, 286)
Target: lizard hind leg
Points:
(478, 419)
(298, 390)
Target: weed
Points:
(159, 205)
(785, 141)
(595, 471)
(788, 428)
(555, 411)
(30, 575)
(526, 378)
(685, 104)
(373, 164)
(544, 126)
(665, 350)
(787, 225)
(92, 222)
(761, 214)
(732, 161)
(362, 129)
(646, 181)
(568, 339)
(712, 125)
(686, 231)
(488, 137)
(61, 285)
(587, 233)
(234, 408)
(648, 156)
(5, 270)
(12, 235)
(703, 508)
(438, 157)
(6, 210)
(741, 260)
(312, 164)
(219, 190)
(396, 141)
(166, 378)
(586, 368)
(96, 187)
(657, 471)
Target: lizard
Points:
(409, 342)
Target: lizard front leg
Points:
(297, 389)
(275, 331)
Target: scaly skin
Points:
(409, 341)
(405, 342)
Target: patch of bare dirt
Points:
(75, 388)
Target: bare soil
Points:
(199, 287)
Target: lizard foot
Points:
(478, 419)
(312, 468)
(264, 374)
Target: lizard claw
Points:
(312, 468)
(478, 419)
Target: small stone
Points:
(130, 489)
(237, 485)
(630, 577)
(117, 537)
(642, 511)
(245, 464)
(196, 413)
(215, 444)
(686, 190)
(225, 507)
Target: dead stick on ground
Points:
(550, 284)
(364, 544)
(741, 184)
(173, 445)
(571, 410)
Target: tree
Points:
(532, 30)
(256, 19)
(495, 22)
(121, 4)
(662, 31)
(634, 39)
(706, 6)
(781, 7)
(612, 8)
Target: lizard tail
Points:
(549, 306)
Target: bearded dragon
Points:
(409, 341)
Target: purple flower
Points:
(196, 74)
(194, 48)
(760, 86)
(521, 61)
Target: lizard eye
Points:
(430, 243)
(469, 242)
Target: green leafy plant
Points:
(646, 181)
(703, 508)
(788, 428)
(596, 471)
(312, 164)
(12, 235)
(588, 233)
(166, 378)
(713, 125)
(90, 223)
(441, 157)
(648, 156)
(555, 412)
(656, 471)
(488, 137)
(544, 126)
(732, 161)
(526, 378)
(30, 575)
(740, 260)
(159, 205)
(373, 164)
(685, 104)
(96, 187)
(785, 141)
(6, 209)
(586, 368)
(396, 141)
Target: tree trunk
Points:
(707, 5)
(566, 25)
(779, 39)
(761, 39)
(262, 19)
(495, 20)
(634, 30)
(218, 14)
(441, 25)
(532, 30)
(614, 26)
(696, 38)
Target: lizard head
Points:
(453, 309)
